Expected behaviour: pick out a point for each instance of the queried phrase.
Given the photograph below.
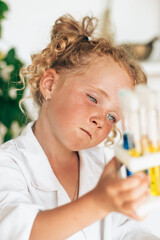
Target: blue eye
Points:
(92, 98)
(111, 117)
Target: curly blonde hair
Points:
(71, 49)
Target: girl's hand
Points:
(121, 195)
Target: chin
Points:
(77, 147)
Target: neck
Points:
(54, 150)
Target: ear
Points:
(47, 83)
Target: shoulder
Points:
(94, 156)
(8, 150)
(96, 151)
(94, 159)
(100, 153)
(10, 171)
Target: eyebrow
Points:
(101, 91)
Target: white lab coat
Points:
(28, 185)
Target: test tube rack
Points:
(136, 164)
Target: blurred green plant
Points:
(12, 119)
(3, 9)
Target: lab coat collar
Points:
(33, 158)
(90, 169)
(42, 175)
(90, 172)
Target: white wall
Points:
(29, 23)
(137, 21)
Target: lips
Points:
(86, 132)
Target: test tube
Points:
(127, 137)
(134, 116)
(142, 92)
(123, 99)
(153, 130)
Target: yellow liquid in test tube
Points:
(153, 130)
(154, 173)
(138, 153)
(134, 153)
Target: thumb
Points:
(111, 168)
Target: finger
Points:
(142, 175)
(118, 164)
(130, 208)
(131, 182)
(111, 168)
(135, 216)
(135, 193)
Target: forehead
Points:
(102, 73)
(106, 73)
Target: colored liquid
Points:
(127, 141)
(154, 174)
(127, 144)
(144, 149)
(134, 153)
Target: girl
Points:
(54, 180)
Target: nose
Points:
(97, 122)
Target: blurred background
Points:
(25, 28)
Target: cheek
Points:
(67, 113)
(79, 108)
(107, 130)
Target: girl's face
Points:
(82, 113)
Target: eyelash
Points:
(94, 100)
(113, 118)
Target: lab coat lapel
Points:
(33, 158)
(90, 171)
(62, 195)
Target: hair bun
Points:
(85, 38)
(66, 26)
(89, 24)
